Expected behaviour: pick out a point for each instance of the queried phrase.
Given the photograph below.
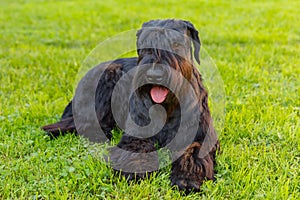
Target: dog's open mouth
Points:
(158, 93)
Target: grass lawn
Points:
(254, 44)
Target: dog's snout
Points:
(155, 75)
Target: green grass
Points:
(255, 44)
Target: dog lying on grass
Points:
(166, 52)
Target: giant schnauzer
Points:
(164, 77)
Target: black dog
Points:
(164, 77)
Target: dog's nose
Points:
(155, 75)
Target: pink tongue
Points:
(159, 94)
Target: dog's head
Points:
(163, 45)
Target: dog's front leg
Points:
(134, 157)
(191, 169)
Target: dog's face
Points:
(164, 45)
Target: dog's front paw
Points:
(190, 170)
(187, 184)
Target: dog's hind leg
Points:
(65, 125)
(103, 87)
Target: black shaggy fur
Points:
(190, 169)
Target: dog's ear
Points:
(196, 40)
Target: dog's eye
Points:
(146, 51)
(175, 45)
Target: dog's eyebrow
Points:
(152, 39)
(163, 39)
(179, 40)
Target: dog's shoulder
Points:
(124, 64)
